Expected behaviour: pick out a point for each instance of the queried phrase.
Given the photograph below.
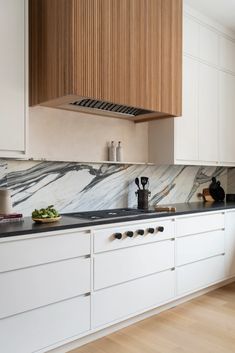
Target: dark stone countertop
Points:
(67, 222)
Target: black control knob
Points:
(140, 232)
(160, 229)
(129, 234)
(151, 230)
(118, 235)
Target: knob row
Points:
(130, 234)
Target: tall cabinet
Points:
(204, 133)
(13, 77)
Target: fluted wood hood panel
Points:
(127, 52)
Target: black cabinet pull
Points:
(118, 235)
(129, 234)
(140, 232)
(160, 229)
(151, 230)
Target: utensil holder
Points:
(143, 199)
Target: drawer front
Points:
(31, 288)
(200, 274)
(40, 328)
(199, 224)
(104, 239)
(44, 249)
(117, 303)
(200, 246)
(126, 264)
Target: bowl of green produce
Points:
(46, 215)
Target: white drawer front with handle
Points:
(126, 264)
(118, 302)
(38, 329)
(199, 246)
(199, 224)
(33, 287)
(200, 274)
(35, 251)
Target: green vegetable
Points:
(49, 212)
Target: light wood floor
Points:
(203, 325)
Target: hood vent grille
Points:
(111, 107)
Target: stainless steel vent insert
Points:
(111, 107)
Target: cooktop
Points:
(113, 213)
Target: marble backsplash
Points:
(231, 181)
(72, 187)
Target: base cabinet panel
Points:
(40, 328)
(230, 244)
(119, 266)
(200, 274)
(118, 302)
(199, 246)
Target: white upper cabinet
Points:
(227, 118)
(12, 78)
(227, 54)
(209, 45)
(204, 133)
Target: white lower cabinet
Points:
(199, 246)
(37, 329)
(119, 302)
(230, 244)
(122, 265)
(198, 275)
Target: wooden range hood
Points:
(120, 58)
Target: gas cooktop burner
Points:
(115, 213)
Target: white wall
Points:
(62, 135)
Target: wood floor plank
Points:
(204, 325)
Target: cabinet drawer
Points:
(40, 328)
(31, 288)
(126, 264)
(104, 239)
(44, 249)
(200, 246)
(199, 224)
(116, 303)
(200, 274)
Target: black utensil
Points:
(144, 181)
(137, 183)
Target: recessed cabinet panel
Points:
(227, 54)
(208, 113)
(186, 138)
(227, 118)
(12, 76)
(209, 45)
(191, 32)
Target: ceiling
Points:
(223, 11)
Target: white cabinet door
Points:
(123, 265)
(186, 127)
(209, 45)
(227, 118)
(230, 244)
(208, 113)
(38, 329)
(191, 36)
(118, 302)
(227, 54)
(200, 274)
(12, 77)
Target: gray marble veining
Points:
(75, 187)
